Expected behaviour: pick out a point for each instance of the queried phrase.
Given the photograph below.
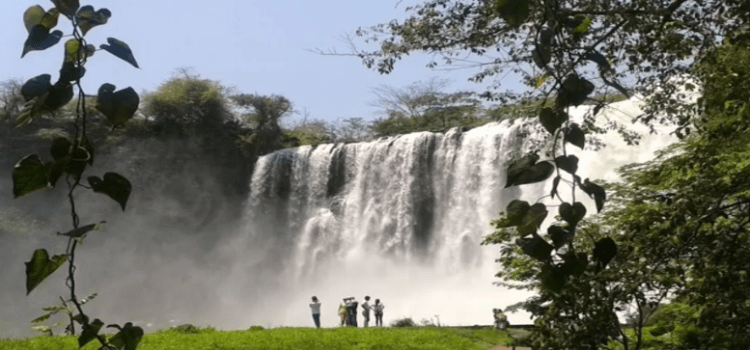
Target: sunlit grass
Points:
(436, 338)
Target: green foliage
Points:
(403, 322)
(71, 154)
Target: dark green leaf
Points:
(60, 148)
(29, 175)
(539, 172)
(575, 136)
(70, 72)
(518, 167)
(118, 106)
(559, 236)
(40, 39)
(552, 119)
(594, 191)
(533, 219)
(40, 266)
(36, 86)
(67, 7)
(604, 250)
(89, 333)
(541, 56)
(88, 19)
(80, 318)
(114, 185)
(41, 318)
(555, 183)
(128, 337)
(573, 91)
(599, 59)
(514, 12)
(515, 213)
(79, 232)
(552, 278)
(574, 265)
(572, 214)
(567, 163)
(535, 247)
(121, 50)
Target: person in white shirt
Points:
(366, 310)
(378, 308)
(315, 307)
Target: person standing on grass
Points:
(366, 310)
(315, 306)
(378, 308)
(342, 312)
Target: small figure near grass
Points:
(342, 312)
(315, 306)
(366, 310)
(501, 321)
(378, 308)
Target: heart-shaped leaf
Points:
(89, 333)
(575, 136)
(518, 167)
(74, 51)
(114, 185)
(79, 232)
(128, 337)
(552, 119)
(118, 106)
(604, 250)
(88, 19)
(559, 236)
(538, 172)
(594, 191)
(572, 214)
(60, 148)
(514, 12)
(535, 247)
(121, 50)
(40, 39)
(573, 91)
(40, 266)
(567, 163)
(70, 72)
(551, 277)
(35, 15)
(36, 86)
(29, 175)
(514, 213)
(67, 7)
(574, 264)
(533, 219)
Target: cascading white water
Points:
(399, 219)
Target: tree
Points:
(687, 212)
(71, 156)
(352, 130)
(264, 113)
(186, 103)
(422, 106)
(564, 51)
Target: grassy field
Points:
(436, 338)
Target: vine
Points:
(70, 157)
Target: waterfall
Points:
(401, 219)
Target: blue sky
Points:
(255, 46)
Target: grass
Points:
(411, 338)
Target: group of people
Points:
(348, 311)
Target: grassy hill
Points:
(435, 338)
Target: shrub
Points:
(403, 322)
